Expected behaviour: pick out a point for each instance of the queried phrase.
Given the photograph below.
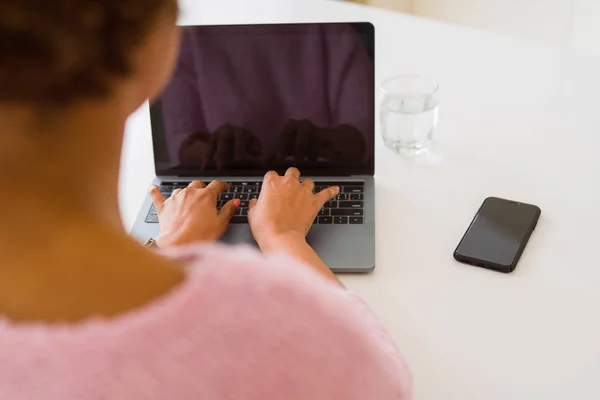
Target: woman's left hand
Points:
(190, 215)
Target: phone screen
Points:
(499, 231)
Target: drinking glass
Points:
(409, 113)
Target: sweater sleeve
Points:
(291, 334)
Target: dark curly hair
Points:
(53, 52)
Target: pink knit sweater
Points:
(241, 326)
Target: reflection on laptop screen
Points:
(247, 99)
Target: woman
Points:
(85, 312)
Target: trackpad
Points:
(237, 234)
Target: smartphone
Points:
(498, 234)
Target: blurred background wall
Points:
(571, 23)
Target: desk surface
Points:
(517, 120)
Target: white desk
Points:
(517, 120)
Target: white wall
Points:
(544, 20)
(405, 6)
(586, 26)
(573, 23)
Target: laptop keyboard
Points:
(345, 209)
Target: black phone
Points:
(498, 234)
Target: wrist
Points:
(272, 242)
(294, 245)
(165, 240)
(162, 241)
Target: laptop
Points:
(247, 99)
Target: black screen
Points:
(247, 99)
(498, 231)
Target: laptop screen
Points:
(247, 99)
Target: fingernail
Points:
(236, 202)
(337, 189)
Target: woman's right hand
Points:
(286, 208)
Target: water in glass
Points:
(409, 114)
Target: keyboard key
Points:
(253, 196)
(152, 211)
(319, 188)
(244, 204)
(166, 194)
(342, 196)
(239, 220)
(356, 220)
(238, 211)
(251, 189)
(356, 196)
(244, 211)
(324, 211)
(152, 219)
(226, 196)
(331, 204)
(325, 220)
(166, 188)
(346, 211)
(236, 189)
(241, 196)
(353, 189)
(340, 220)
(351, 204)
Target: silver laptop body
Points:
(338, 56)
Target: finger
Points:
(197, 185)
(327, 194)
(293, 172)
(217, 187)
(228, 210)
(270, 176)
(157, 197)
(252, 203)
(176, 191)
(309, 183)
